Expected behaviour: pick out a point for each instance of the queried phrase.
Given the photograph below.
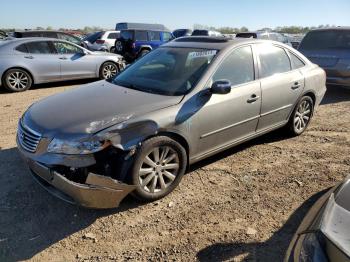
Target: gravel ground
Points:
(241, 205)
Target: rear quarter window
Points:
(113, 36)
(22, 48)
(296, 61)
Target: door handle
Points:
(253, 98)
(29, 57)
(63, 58)
(296, 85)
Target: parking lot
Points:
(241, 205)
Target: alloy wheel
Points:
(302, 116)
(18, 80)
(159, 169)
(109, 71)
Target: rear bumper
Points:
(98, 191)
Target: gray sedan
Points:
(28, 61)
(181, 103)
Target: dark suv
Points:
(329, 48)
(48, 33)
(134, 43)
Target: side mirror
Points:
(221, 87)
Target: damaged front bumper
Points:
(97, 192)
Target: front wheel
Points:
(301, 116)
(108, 70)
(159, 166)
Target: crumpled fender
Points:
(128, 135)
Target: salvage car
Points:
(323, 235)
(329, 48)
(185, 101)
(29, 61)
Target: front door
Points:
(74, 63)
(225, 119)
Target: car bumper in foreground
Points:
(97, 191)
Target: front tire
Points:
(159, 166)
(108, 70)
(17, 80)
(301, 116)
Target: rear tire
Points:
(17, 80)
(301, 116)
(158, 168)
(108, 70)
(112, 50)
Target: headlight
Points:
(312, 249)
(75, 148)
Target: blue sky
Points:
(174, 14)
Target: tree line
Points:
(223, 30)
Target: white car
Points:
(101, 41)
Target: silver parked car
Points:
(181, 103)
(28, 61)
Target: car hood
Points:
(100, 53)
(91, 108)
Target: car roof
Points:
(36, 39)
(340, 28)
(210, 42)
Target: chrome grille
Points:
(28, 138)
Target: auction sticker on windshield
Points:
(207, 53)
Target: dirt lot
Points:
(241, 205)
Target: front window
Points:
(238, 67)
(65, 48)
(68, 38)
(167, 71)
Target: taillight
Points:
(99, 41)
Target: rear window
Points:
(38, 48)
(327, 39)
(141, 36)
(127, 35)
(113, 36)
(154, 36)
(273, 60)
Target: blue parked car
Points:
(135, 43)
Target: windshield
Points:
(327, 39)
(167, 71)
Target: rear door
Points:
(281, 85)
(40, 59)
(74, 63)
